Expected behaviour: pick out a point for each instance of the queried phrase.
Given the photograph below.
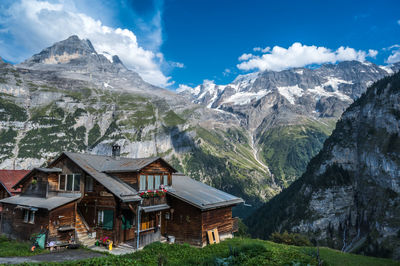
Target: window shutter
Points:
(108, 219)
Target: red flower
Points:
(149, 190)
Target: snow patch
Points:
(290, 92)
(387, 69)
(242, 98)
(334, 82)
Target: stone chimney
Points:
(116, 151)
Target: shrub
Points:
(290, 239)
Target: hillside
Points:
(290, 113)
(348, 198)
(71, 98)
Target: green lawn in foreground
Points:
(237, 251)
(12, 248)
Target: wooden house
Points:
(84, 197)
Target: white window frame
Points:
(29, 216)
(26, 216)
(32, 217)
(150, 177)
(142, 182)
(157, 186)
(100, 218)
(66, 182)
(165, 178)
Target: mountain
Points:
(349, 196)
(290, 113)
(69, 97)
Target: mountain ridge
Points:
(348, 198)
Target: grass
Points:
(237, 251)
(12, 248)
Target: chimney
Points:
(116, 151)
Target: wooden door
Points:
(163, 224)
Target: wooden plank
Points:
(216, 235)
(210, 235)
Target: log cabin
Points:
(81, 198)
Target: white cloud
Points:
(395, 56)
(177, 64)
(37, 24)
(245, 57)
(398, 22)
(226, 72)
(263, 50)
(299, 55)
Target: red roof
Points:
(10, 177)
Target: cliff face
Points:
(349, 196)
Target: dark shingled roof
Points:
(43, 203)
(200, 195)
(94, 165)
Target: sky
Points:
(178, 43)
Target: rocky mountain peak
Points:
(63, 52)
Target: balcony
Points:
(154, 201)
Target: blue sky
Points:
(173, 43)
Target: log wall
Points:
(217, 218)
(184, 223)
(13, 224)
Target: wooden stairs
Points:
(82, 232)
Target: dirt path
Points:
(60, 256)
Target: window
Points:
(157, 180)
(71, 182)
(26, 216)
(88, 184)
(150, 182)
(165, 181)
(142, 182)
(105, 219)
(29, 216)
(61, 182)
(77, 182)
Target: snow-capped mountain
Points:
(290, 113)
(345, 81)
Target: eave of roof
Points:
(200, 195)
(42, 203)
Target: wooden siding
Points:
(217, 218)
(64, 216)
(184, 223)
(13, 224)
(68, 167)
(131, 178)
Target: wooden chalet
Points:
(84, 197)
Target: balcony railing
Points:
(154, 201)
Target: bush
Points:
(290, 239)
(243, 230)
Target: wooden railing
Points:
(154, 201)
